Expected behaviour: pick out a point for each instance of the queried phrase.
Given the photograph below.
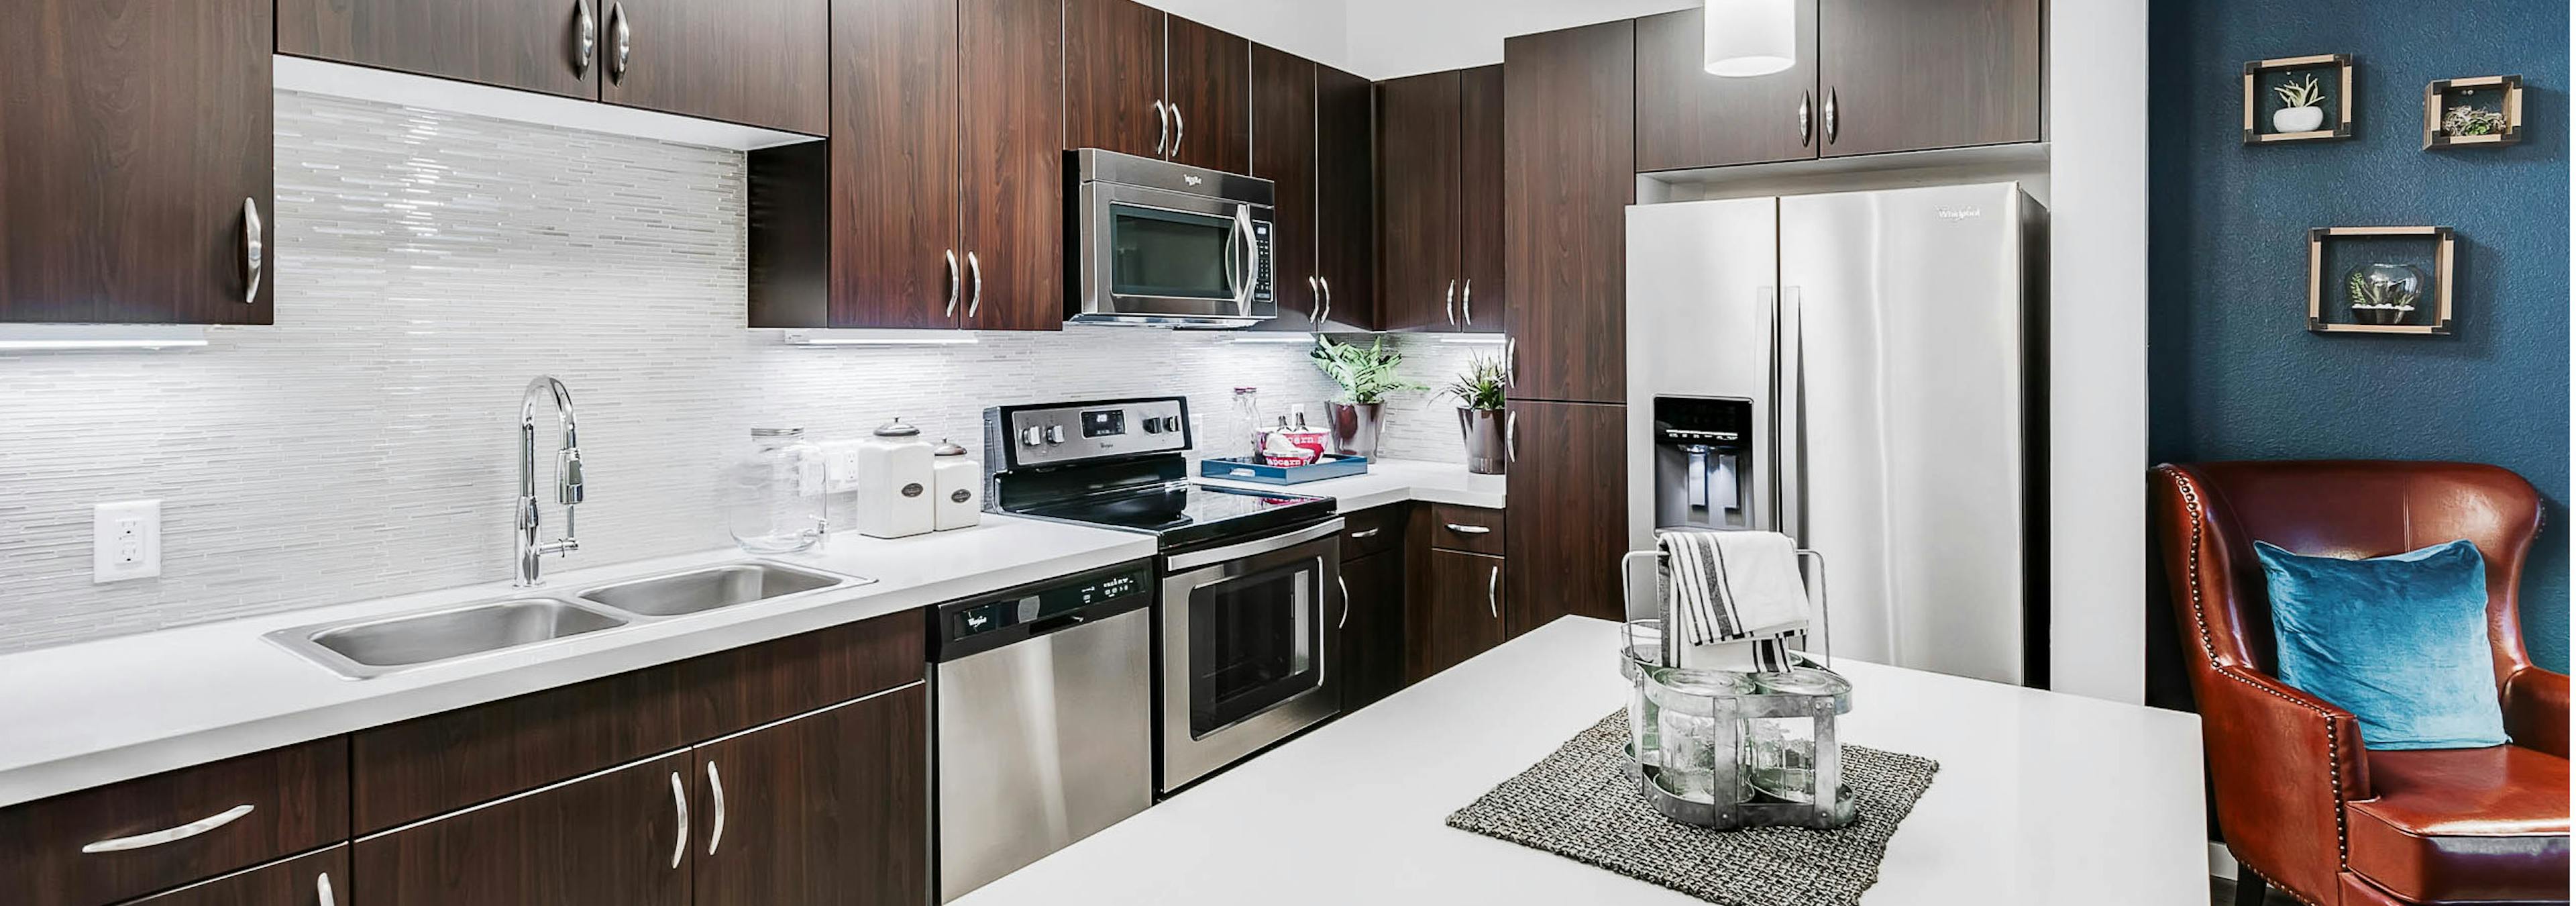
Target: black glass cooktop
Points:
(1187, 515)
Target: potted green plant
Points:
(1366, 375)
(2384, 293)
(1480, 391)
(2302, 107)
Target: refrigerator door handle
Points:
(1788, 385)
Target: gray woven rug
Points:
(1579, 804)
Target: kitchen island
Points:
(2041, 798)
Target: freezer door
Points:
(1701, 322)
(1912, 451)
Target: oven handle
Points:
(1251, 259)
(1196, 559)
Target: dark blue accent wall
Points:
(2233, 373)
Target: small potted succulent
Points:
(1480, 391)
(2464, 120)
(1366, 375)
(2302, 107)
(2384, 293)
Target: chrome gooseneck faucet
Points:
(567, 478)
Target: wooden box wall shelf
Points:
(2258, 116)
(2322, 284)
(2438, 96)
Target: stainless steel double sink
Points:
(376, 646)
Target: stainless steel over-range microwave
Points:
(1155, 242)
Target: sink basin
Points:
(379, 646)
(709, 588)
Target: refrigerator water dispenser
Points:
(1703, 462)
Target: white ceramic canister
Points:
(957, 483)
(895, 482)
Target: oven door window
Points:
(1253, 641)
(1157, 252)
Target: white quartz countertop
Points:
(77, 716)
(1395, 481)
(2041, 798)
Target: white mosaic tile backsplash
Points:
(428, 265)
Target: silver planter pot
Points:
(1355, 427)
(1483, 430)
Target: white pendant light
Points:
(1751, 37)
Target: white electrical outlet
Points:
(125, 541)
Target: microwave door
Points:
(1165, 257)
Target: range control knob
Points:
(1055, 434)
(1032, 436)
(1172, 423)
(1153, 426)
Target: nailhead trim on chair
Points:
(2209, 649)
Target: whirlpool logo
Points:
(1954, 215)
(1192, 180)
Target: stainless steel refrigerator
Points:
(1865, 372)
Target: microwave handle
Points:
(1250, 261)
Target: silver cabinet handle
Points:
(1467, 302)
(1511, 360)
(1469, 529)
(585, 38)
(1833, 122)
(1494, 593)
(1163, 132)
(953, 285)
(254, 250)
(322, 890)
(1806, 118)
(624, 35)
(680, 808)
(1346, 603)
(715, 834)
(1512, 437)
(975, 303)
(171, 835)
(1367, 533)
(1449, 301)
(1328, 298)
(1180, 128)
(1315, 291)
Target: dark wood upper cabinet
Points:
(755, 62)
(1012, 96)
(1481, 296)
(136, 163)
(301, 881)
(1207, 80)
(1569, 102)
(532, 45)
(619, 838)
(830, 807)
(1569, 514)
(1453, 608)
(1345, 199)
(1283, 151)
(281, 801)
(1906, 75)
(937, 202)
(1113, 77)
(1417, 186)
(1693, 119)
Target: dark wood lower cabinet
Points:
(313, 879)
(282, 801)
(830, 807)
(1372, 634)
(619, 838)
(1453, 609)
(1569, 514)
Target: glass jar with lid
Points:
(1693, 732)
(1780, 752)
(775, 501)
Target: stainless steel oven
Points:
(1157, 242)
(1242, 633)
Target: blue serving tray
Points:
(1326, 466)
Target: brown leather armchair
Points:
(2300, 801)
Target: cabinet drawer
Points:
(1371, 531)
(170, 829)
(301, 881)
(1475, 530)
(431, 765)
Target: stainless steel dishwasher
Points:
(1042, 719)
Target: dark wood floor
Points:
(2222, 892)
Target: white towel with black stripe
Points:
(1724, 586)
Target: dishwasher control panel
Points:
(1096, 594)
